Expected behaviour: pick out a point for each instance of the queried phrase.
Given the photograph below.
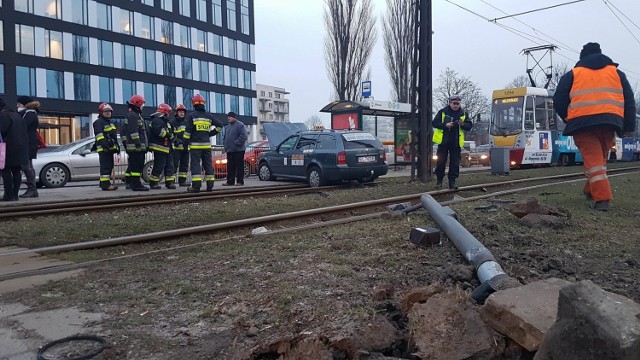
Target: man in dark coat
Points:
(14, 133)
(28, 110)
(235, 138)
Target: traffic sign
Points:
(366, 89)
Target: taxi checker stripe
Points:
(597, 178)
(595, 91)
(594, 169)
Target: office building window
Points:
(148, 27)
(126, 21)
(150, 94)
(82, 87)
(217, 44)
(150, 61)
(166, 29)
(219, 74)
(107, 93)
(244, 12)
(246, 52)
(148, 2)
(187, 95)
(187, 68)
(248, 106)
(24, 6)
(207, 103)
(233, 75)
(234, 103)
(261, 93)
(204, 71)
(24, 40)
(48, 8)
(247, 80)
(220, 103)
(202, 41)
(185, 7)
(105, 53)
(166, 5)
(217, 12)
(231, 15)
(128, 89)
(201, 10)
(1, 78)
(53, 44)
(79, 12)
(128, 57)
(103, 16)
(80, 49)
(55, 84)
(233, 48)
(169, 64)
(170, 95)
(185, 36)
(25, 81)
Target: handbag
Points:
(41, 143)
(3, 153)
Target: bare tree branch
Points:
(350, 38)
(398, 34)
(313, 121)
(451, 83)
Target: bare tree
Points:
(350, 38)
(557, 72)
(451, 83)
(313, 121)
(520, 81)
(398, 34)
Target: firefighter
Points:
(200, 127)
(180, 154)
(135, 132)
(106, 145)
(160, 139)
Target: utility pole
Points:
(425, 90)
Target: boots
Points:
(136, 185)
(170, 185)
(452, 184)
(192, 189)
(601, 205)
(154, 185)
(108, 187)
(439, 183)
(127, 180)
(209, 186)
(30, 193)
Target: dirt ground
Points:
(329, 293)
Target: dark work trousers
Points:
(106, 168)
(162, 164)
(181, 165)
(12, 178)
(200, 159)
(30, 174)
(453, 152)
(235, 167)
(136, 164)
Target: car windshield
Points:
(68, 146)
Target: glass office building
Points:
(72, 55)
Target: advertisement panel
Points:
(402, 140)
(345, 121)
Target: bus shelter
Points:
(389, 121)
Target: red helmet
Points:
(181, 107)
(104, 107)
(164, 109)
(137, 100)
(197, 100)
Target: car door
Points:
(84, 162)
(302, 155)
(279, 161)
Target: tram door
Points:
(538, 148)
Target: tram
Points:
(524, 120)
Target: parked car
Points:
(325, 156)
(75, 161)
(465, 158)
(480, 155)
(251, 154)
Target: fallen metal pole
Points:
(491, 275)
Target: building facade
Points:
(72, 55)
(273, 106)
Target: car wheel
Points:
(54, 175)
(264, 172)
(247, 169)
(146, 171)
(314, 177)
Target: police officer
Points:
(135, 131)
(160, 138)
(197, 139)
(180, 154)
(106, 145)
(449, 126)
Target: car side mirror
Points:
(85, 152)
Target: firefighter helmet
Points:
(137, 100)
(164, 109)
(181, 107)
(197, 100)
(104, 107)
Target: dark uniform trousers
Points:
(444, 151)
(136, 164)
(181, 165)
(204, 156)
(106, 167)
(162, 163)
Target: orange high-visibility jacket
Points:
(596, 92)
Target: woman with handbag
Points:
(13, 132)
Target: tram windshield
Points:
(506, 116)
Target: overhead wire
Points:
(623, 14)
(621, 22)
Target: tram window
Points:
(529, 121)
(542, 123)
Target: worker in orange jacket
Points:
(596, 101)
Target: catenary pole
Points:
(426, 90)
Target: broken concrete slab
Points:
(425, 236)
(592, 324)
(524, 313)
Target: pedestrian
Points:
(28, 109)
(235, 138)
(160, 139)
(106, 145)
(134, 131)
(14, 134)
(596, 101)
(180, 154)
(449, 126)
(200, 127)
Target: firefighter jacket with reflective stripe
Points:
(160, 134)
(135, 131)
(444, 135)
(200, 126)
(106, 137)
(179, 125)
(595, 92)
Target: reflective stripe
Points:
(438, 134)
(595, 103)
(104, 178)
(156, 147)
(597, 178)
(154, 178)
(99, 136)
(182, 175)
(594, 169)
(135, 174)
(170, 178)
(187, 135)
(163, 133)
(211, 177)
(196, 178)
(134, 135)
(595, 90)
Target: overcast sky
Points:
(290, 35)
